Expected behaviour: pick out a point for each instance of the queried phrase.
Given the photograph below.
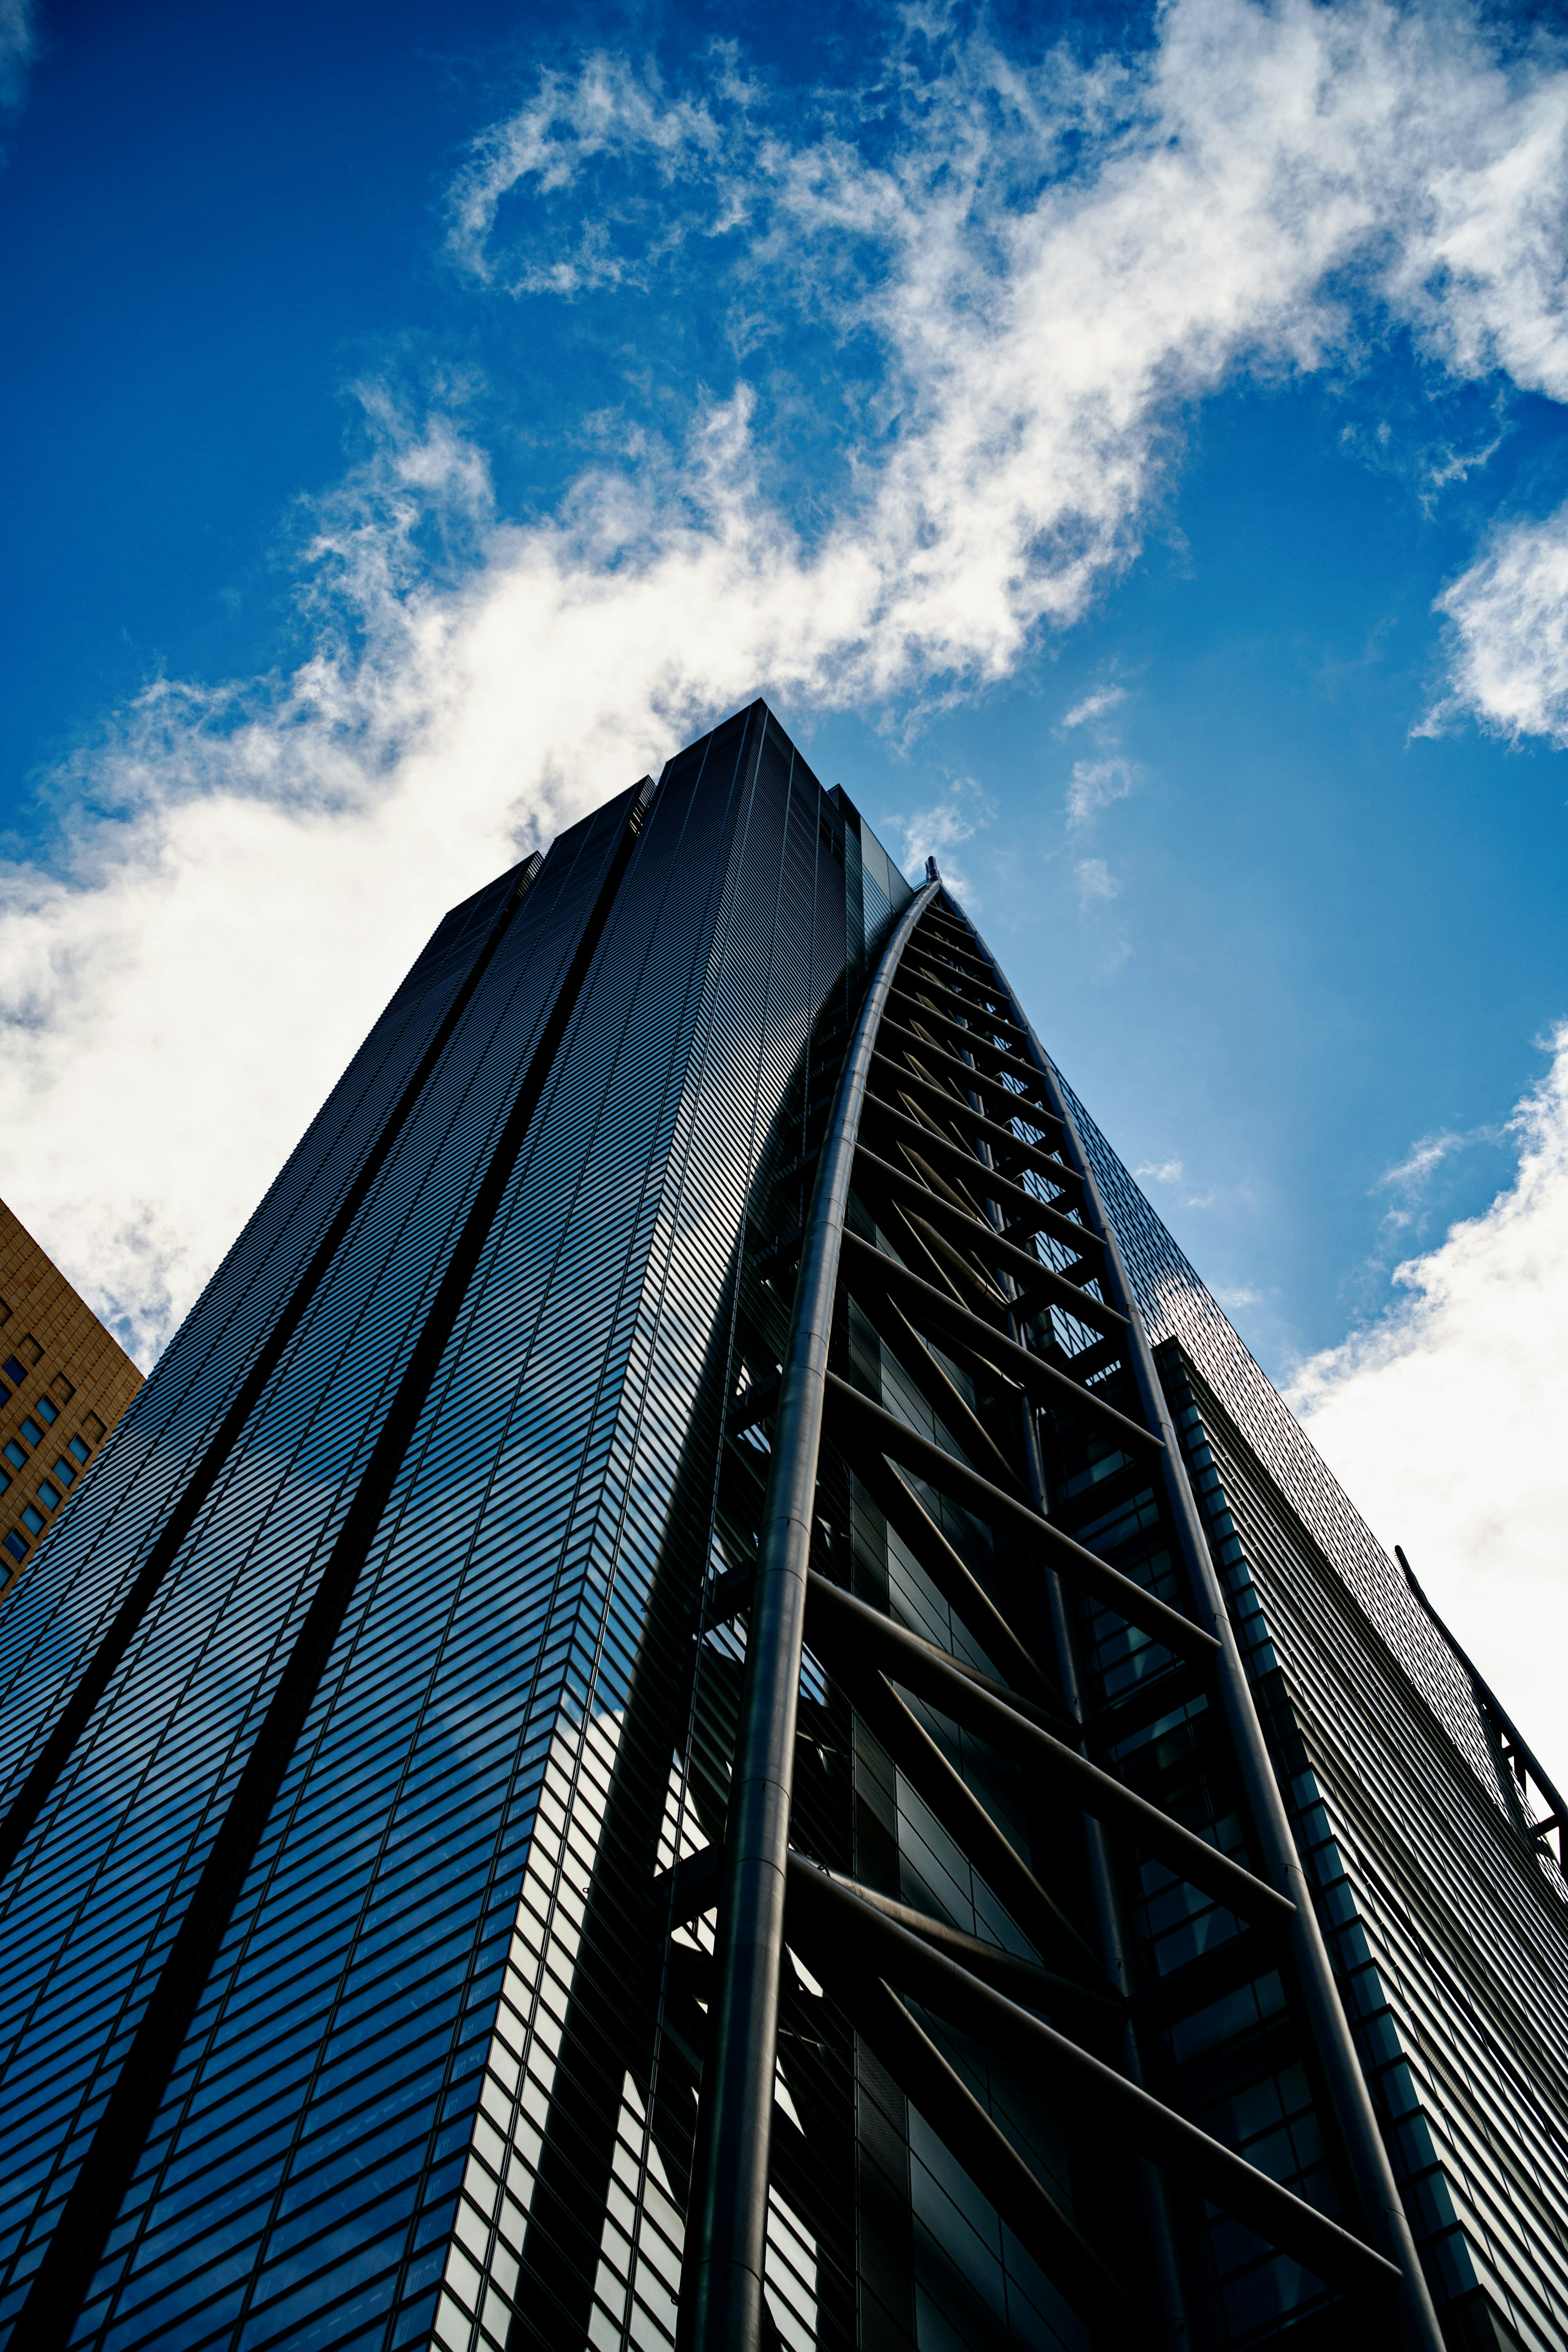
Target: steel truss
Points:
(980, 1246)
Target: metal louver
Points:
(952, 1205)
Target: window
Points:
(62, 1388)
(29, 1349)
(47, 1411)
(16, 1455)
(16, 1544)
(81, 1448)
(65, 1472)
(4, 1392)
(49, 1496)
(33, 1520)
(15, 1370)
(93, 1426)
(5, 1480)
(31, 1432)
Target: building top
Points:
(64, 1383)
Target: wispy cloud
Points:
(1508, 629)
(586, 126)
(1159, 1172)
(16, 46)
(1444, 1420)
(1096, 882)
(1094, 784)
(1095, 706)
(1034, 263)
(943, 828)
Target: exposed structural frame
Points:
(940, 1064)
(1512, 1747)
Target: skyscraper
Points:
(707, 1700)
(64, 1383)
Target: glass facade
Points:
(370, 1717)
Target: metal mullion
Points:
(945, 1471)
(980, 1024)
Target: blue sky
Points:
(1126, 447)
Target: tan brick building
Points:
(64, 1384)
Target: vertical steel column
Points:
(1370, 2170)
(722, 2276)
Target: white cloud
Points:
(1095, 783)
(1096, 882)
(1051, 261)
(1095, 705)
(604, 113)
(15, 49)
(1509, 622)
(1445, 1420)
(1159, 1172)
(942, 828)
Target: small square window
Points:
(49, 1496)
(17, 1546)
(33, 1520)
(5, 1480)
(81, 1448)
(5, 1393)
(62, 1388)
(16, 1455)
(29, 1349)
(31, 1432)
(47, 1411)
(65, 1472)
(14, 1370)
(93, 1426)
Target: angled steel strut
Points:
(983, 1261)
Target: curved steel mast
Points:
(981, 1249)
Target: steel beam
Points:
(721, 2274)
(983, 1239)
(981, 1708)
(1084, 1567)
(1102, 2099)
(1023, 1368)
